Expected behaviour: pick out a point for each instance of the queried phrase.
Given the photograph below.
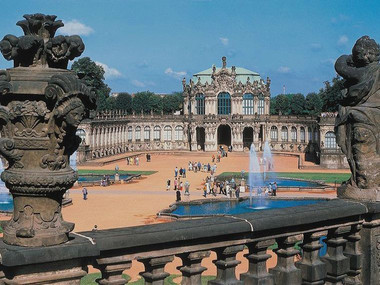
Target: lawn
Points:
(90, 279)
(112, 172)
(313, 176)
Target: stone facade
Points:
(226, 106)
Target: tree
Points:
(313, 104)
(123, 101)
(282, 104)
(331, 94)
(142, 102)
(93, 75)
(297, 104)
(273, 106)
(172, 102)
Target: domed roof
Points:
(242, 74)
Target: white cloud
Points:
(343, 40)
(176, 74)
(224, 41)
(109, 71)
(74, 27)
(316, 46)
(283, 69)
(138, 83)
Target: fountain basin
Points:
(222, 207)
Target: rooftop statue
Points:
(358, 122)
(41, 106)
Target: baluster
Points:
(154, 273)
(354, 253)
(226, 263)
(312, 268)
(257, 270)
(337, 264)
(285, 271)
(112, 269)
(191, 267)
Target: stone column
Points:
(312, 268)
(191, 267)
(112, 269)
(354, 253)
(285, 272)
(257, 271)
(154, 273)
(226, 263)
(337, 263)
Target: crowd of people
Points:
(134, 160)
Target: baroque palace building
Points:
(228, 106)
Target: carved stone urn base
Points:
(37, 221)
(347, 191)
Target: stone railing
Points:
(352, 231)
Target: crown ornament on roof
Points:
(39, 47)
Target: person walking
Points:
(178, 196)
(274, 189)
(85, 193)
(175, 172)
(187, 188)
(137, 161)
(184, 172)
(175, 184)
(168, 185)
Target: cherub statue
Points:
(358, 122)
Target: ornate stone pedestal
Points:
(41, 107)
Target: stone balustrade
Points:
(352, 231)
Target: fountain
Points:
(268, 159)
(254, 175)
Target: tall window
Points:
(129, 134)
(330, 140)
(248, 104)
(310, 134)
(147, 133)
(224, 104)
(157, 133)
(178, 133)
(284, 134)
(316, 135)
(168, 133)
(200, 104)
(273, 133)
(138, 133)
(302, 134)
(294, 134)
(261, 105)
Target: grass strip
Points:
(112, 172)
(312, 176)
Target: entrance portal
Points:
(201, 137)
(224, 135)
(247, 137)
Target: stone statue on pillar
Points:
(41, 106)
(357, 125)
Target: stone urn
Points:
(41, 105)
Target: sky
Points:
(152, 44)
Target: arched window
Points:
(129, 133)
(261, 105)
(316, 135)
(168, 133)
(138, 133)
(330, 140)
(147, 133)
(293, 133)
(302, 134)
(248, 104)
(224, 104)
(310, 134)
(274, 133)
(157, 133)
(178, 133)
(284, 134)
(200, 104)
